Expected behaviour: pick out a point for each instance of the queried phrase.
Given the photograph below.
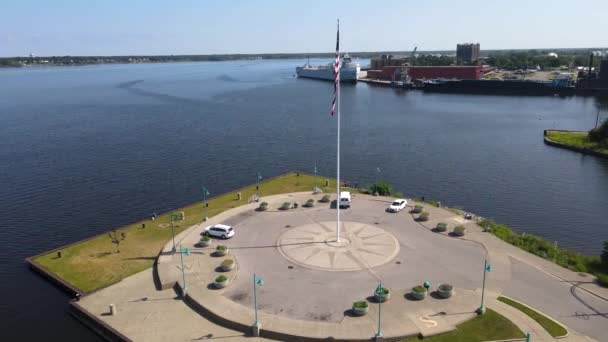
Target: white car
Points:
(220, 231)
(397, 205)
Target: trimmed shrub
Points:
(221, 250)
(424, 216)
(441, 227)
(310, 203)
(445, 290)
(325, 199)
(361, 304)
(263, 206)
(285, 206)
(419, 288)
(221, 278)
(227, 265)
(418, 209)
(360, 308)
(384, 296)
(205, 241)
(459, 231)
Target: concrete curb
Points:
(542, 313)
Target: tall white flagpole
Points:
(338, 149)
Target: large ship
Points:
(349, 70)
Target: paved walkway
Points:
(148, 310)
(145, 314)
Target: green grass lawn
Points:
(94, 263)
(577, 139)
(552, 328)
(487, 327)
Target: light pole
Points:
(183, 251)
(257, 186)
(486, 268)
(377, 175)
(174, 217)
(379, 294)
(257, 281)
(314, 179)
(205, 204)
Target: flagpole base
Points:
(379, 338)
(255, 329)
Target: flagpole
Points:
(338, 149)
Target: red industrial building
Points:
(429, 72)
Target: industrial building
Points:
(389, 73)
(467, 53)
(590, 79)
(386, 60)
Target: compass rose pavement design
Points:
(361, 246)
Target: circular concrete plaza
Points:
(309, 275)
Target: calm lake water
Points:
(83, 149)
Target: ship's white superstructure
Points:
(349, 70)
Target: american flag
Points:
(336, 72)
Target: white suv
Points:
(397, 205)
(220, 230)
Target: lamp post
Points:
(379, 294)
(257, 186)
(183, 251)
(173, 217)
(257, 281)
(486, 268)
(205, 204)
(314, 179)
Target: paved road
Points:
(573, 307)
(423, 255)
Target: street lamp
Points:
(174, 217)
(205, 204)
(379, 294)
(257, 186)
(314, 179)
(257, 281)
(183, 251)
(486, 268)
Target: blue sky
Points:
(125, 27)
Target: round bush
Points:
(424, 216)
(221, 250)
(445, 290)
(310, 203)
(360, 308)
(386, 294)
(285, 206)
(227, 265)
(418, 209)
(263, 206)
(441, 227)
(325, 199)
(221, 278)
(459, 231)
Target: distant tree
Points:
(382, 188)
(599, 134)
(604, 256)
(116, 238)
